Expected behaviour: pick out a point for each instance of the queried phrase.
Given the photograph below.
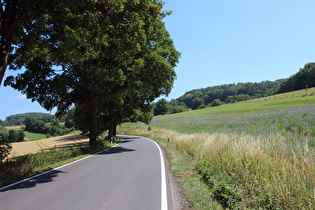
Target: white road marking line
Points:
(164, 205)
(60, 167)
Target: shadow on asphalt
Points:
(49, 176)
(128, 137)
(115, 150)
(40, 179)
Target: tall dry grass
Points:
(244, 171)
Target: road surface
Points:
(128, 176)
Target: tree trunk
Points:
(93, 119)
(111, 129)
(3, 63)
(115, 129)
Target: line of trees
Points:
(52, 129)
(19, 119)
(109, 59)
(304, 78)
(216, 95)
(231, 93)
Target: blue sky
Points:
(224, 42)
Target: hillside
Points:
(256, 154)
(225, 92)
(18, 119)
(294, 99)
(246, 116)
(217, 95)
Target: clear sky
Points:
(223, 42)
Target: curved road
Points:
(128, 176)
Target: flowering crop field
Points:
(295, 120)
(295, 115)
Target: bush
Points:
(38, 126)
(5, 146)
(16, 135)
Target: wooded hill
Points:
(19, 119)
(230, 93)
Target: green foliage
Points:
(196, 103)
(16, 135)
(18, 119)
(5, 146)
(115, 58)
(160, 107)
(229, 93)
(305, 78)
(216, 102)
(52, 129)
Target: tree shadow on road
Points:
(115, 150)
(34, 181)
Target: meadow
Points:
(252, 155)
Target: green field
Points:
(29, 136)
(34, 136)
(257, 154)
(254, 105)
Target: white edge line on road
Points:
(60, 167)
(164, 205)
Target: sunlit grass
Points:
(258, 154)
(34, 136)
(245, 171)
(251, 106)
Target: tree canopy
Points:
(304, 78)
(110, 60)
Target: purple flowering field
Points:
(294, 120)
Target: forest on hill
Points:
(231, 93)
(19, 119)
(304, 78)
(217, 95)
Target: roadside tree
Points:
(96, 59)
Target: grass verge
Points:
(183, 167)
(240, 171)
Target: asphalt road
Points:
(128, 176)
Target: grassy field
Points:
(250, 155)
(30, 136)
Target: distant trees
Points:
(216, 102)
(5, 146)
(304, 78)
(16, 135)
(200, 98)
(18, 119)
(39, 126)
(216, 96)
(161, 107)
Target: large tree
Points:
(17, 16)
(114, 51)
(12, 13)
